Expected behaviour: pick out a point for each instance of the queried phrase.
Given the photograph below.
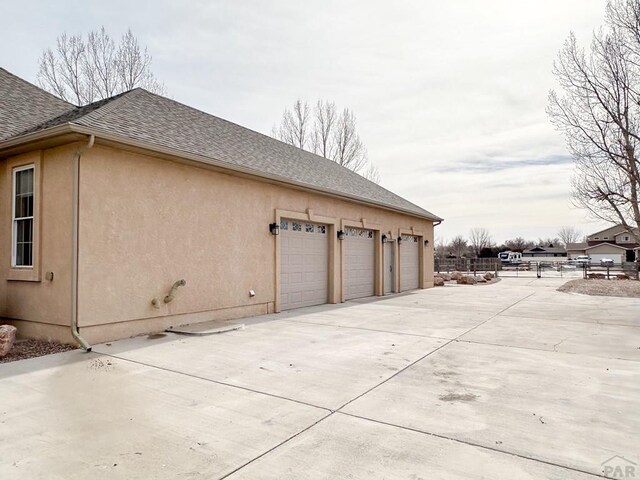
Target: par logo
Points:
(619, 467)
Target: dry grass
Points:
(30, 348)
(610, 288)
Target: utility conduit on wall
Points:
(172, 293)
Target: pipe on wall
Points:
(75, 332)
(174, 289)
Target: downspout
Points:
(74, 246)
(435, 224)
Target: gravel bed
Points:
(30, 348)
(610, 288)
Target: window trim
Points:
(23, 273)
(14, 220)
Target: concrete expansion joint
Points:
(218, 382)
(474, 444)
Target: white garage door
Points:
(409, 263)
(596, 257)
(359, 261)
(304, 264)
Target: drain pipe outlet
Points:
(75, 332)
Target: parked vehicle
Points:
(510, 258)
(606, 262)
(582, 260)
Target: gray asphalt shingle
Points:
(158, 121)
(23, 105)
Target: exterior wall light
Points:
(426, 243)
(274, 228)
(399, 240)
(384, 238)
(341, 235)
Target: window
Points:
(22, 245)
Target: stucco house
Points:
(541, 253)
(614, 242)
(137, 213)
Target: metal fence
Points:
(626, 270)
(467, 265)
(542, 269)
(536, 269)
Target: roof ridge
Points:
(270, 138)
(108, 105)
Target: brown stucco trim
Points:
(108, 138)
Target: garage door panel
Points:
(304, 258)
(359, 263)
(409, 263)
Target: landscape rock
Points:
(438, 281)
(489, 276)
(622, 276)
(466, 280)
(456, 276)
(445, 276)
(7, 337)
(480, 279)
(597, 276)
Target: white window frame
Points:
(14, 220)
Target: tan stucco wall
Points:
(146, 223)
(40, 300)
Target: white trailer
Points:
(510, 258)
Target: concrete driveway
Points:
(511, 380)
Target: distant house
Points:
(544, 254)
(614, 242)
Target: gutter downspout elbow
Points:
(435, 224)
(75, 332)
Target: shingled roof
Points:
(159, 122)
(23, 105)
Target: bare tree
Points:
(518, 244)
(325, 118)
(598, 111)
(479, 239)
(372, 173)
(349, 151)
(569, 235)
(295, 125)
(83, 71)
(458, 246)
(440, 248)
(549, 242)
(327, 133)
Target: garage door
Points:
(304, 264)
(359, 263)
(409, 263)
(596, 257)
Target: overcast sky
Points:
(450, 96)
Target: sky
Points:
(450, 97)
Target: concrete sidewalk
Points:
(510, 380)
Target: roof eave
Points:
(606, 244)
(42, 138)
(15, 144)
